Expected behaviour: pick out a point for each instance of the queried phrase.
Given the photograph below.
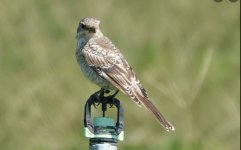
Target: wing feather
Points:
(109, 63)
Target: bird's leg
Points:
(103, 92)
(111, 98)
(97, 97)
(116, 92)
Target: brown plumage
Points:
(104, 65)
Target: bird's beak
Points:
(78, 29)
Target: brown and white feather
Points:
(103, 64)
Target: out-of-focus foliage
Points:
(186, 53)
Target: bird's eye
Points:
(82, 26)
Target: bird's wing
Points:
(109, 63)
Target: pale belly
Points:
(92, 75)
(88, 71)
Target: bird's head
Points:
(88, 27)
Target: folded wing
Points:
(109, 63)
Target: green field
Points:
(186, 54)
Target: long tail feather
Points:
(144, 100)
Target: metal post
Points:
(104, 146)
(102, 132)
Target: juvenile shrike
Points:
(101, 62)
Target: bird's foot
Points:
(111, 98)
(99, 96)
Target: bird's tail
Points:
(141, 96)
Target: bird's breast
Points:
(89, 72)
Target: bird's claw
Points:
(99, 96)
(96, 105)
(111, 99)
(111, 105)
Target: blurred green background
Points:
(186, 53)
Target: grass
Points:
(185, 53)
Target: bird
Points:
(103, 64)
